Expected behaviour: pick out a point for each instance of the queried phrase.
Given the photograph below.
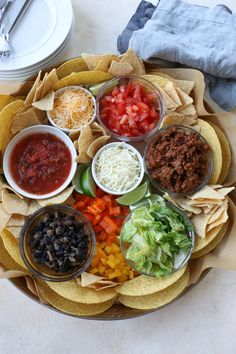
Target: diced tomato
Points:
(129, 110)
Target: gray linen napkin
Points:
(192, 35)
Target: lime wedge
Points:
(76, 180)
(152, 198)
(87, 183)
(134, 196)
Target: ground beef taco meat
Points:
(177, 159)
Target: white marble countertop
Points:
(202, 322)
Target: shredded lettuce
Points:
(157, 237)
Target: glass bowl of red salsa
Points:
(178, 160)
(57, 243)
(130, 108)
(40, 162)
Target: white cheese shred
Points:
(118, 168)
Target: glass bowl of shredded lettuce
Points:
(157, 238)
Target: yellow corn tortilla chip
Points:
(13, 204)
(98, 128)
(39, 89)
(50, 81)
(158, 299)
(12, 247)
(82, 78)
(5, 100)
(145, 285)
(94, 281)
(170, 105)
(83, 158)
(71, 66)
(212, 245)
(177, 119)
(221, 220)
(58, 199)
(226, 153)
(104, 63)
(24, 120)
(6, 260)
(32, 207)
(30, 97)
(4, 217)
(216, 212)
(85, 139)
(200, 223)
(92, 60)
(6, 116)
(200, 242)
(71, 307)
(72, 291)
(96, 145)
(188, 110)
(120, 69)
(206, 193)
(45, 103)
(208, 132)
(16, 220)
(14, 230)
(131, 58)
(185, 99)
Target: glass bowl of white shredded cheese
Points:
(117, 168)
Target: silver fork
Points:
(5, 47)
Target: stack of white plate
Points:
(40, 39)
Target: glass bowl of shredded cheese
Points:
(73, 107)
(117, 168)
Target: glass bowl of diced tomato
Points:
(130, 108)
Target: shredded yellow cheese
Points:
(118, 168)
(72, 109)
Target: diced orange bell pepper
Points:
(109, 225)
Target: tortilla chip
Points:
(16, 220)
(219, 221)
(58, 199)
(71, 66)
(200, 242)
(5, 100)
(185, 99)
(96, 145)
(145, 285)
(120, 69)
(177, 119)
(212, 245)
(82, 78)
(189, 110)
(85, 139)
(12, 247)
(157, 299)
(4, 217)
(50, 81)
(185, 85)
(72, 291)
(95, 282)
(104, 63)
(13, 204)
(131, 58)
(207, 193)
(91, 60)
(97, 128)
(46, 103)
(6, 260)
(30, 97)
(170, 105)
(6, 116)
(211, 137)
(83, 158)
(39, 89)
(14, 230)
(226, 153)
(71, 307)
(32, 207)
(24, 120)
(200, 223)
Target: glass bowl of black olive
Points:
(57, 243)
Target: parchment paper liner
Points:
(223, 256)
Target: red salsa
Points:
(40, 163)
(129, 110)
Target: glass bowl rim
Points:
(161, 104)
(64, 277)
(191, 233)
(210, 162)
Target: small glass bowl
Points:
(209, 164)
(42, 271)
(189, 226)
(149, 87)
(72, 88)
